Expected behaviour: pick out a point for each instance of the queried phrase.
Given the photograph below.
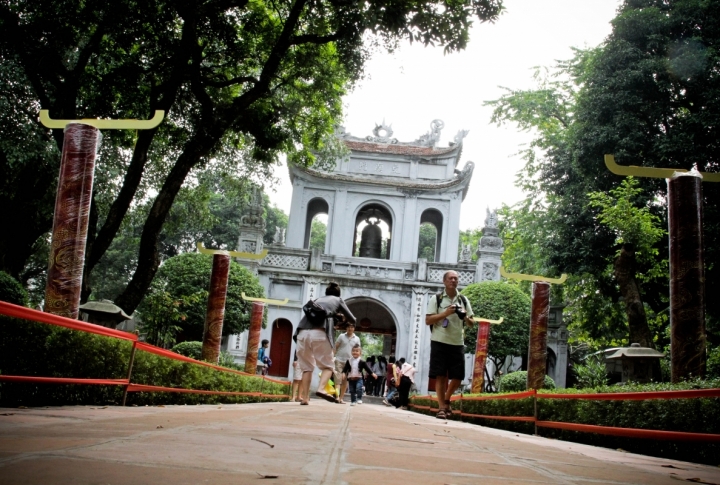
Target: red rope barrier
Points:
(18, 311)
(64, 380)
(632, 432)
(144, 388)
(518, 395)
(636, 396)
(502, 418)
(172, 355)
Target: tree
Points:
(187, 277)
(637, 234)
(427, 241)
(318, 233)
(495, 300)
(240, 81)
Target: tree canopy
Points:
(188, 275)
(240, 81)
(648, 95)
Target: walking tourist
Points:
(369, 379)
(407, 379)
(391, 374)
(315, 343)
(263, 358)
(379, 369)
(297, 381)
(343, 351)
(446, 313)
(353, 372)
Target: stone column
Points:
(481, 347)
(254, 337)
(537, 353)
(687, 278)
(212, 333)
(70, 223)
(490, 250)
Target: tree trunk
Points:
(630, 290)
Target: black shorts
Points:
(446, 360)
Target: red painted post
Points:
(687, 276)
(537, 352)
(212, 333)
(481, 347)
(70, 223)
(254, 337)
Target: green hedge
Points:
(697, 415)
(34, 349)
(517, 382)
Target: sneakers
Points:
(359, 401)
(385, 402)
(352, 403)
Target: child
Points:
(264, 361)
(297, 379)
(353, 373)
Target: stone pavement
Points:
(322, 443)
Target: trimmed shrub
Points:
(11, 290)
(696, 415)
(34, 349)
(517, 382)
(189, 349)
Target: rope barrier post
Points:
(129, 373)
(535, 412)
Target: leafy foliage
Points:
(188, 275)
(495, 300)
(71, 353)
(592, 373)
(318, 233)
(11, 290)
(692, 415)
(192, 349)
(517, 381)
(427, 242)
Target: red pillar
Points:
(70, 223)
(537, 353)
(212, 333)
(687, 277)
(254, 337)
(481, 347)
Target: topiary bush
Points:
(517, 382)
(189, 349)
(495, 300)
(11, 290)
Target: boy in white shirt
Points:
(353, 374)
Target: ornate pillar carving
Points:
(251, 355)
(481, 348)
(687, 278)
(70, 223)
(212, 333)
(537, 353)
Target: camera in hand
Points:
(460, 312)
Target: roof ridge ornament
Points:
(431, 138)
(382, 133)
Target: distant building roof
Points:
(397, 149)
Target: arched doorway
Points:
(374, 319)
(280, 347)
(373, 232)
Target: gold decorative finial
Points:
(104, 124)
(651, 172)
(529, 277)
(480, 319)
(235, 254)
(265, 300)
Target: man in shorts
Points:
(343, 352)
(447, 361)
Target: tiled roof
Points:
(396, 149)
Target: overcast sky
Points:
(415, 85)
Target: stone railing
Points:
(376, 269)
(435, 272)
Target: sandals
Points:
(327, 397)
(448, 410)
(441, 414)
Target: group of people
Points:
(447, 314)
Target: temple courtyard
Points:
(322, 443)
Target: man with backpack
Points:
(446, 314)
(315, 339)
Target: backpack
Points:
(315, 313)
(438, 299)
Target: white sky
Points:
(415, 85)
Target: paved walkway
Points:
(321, 443)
